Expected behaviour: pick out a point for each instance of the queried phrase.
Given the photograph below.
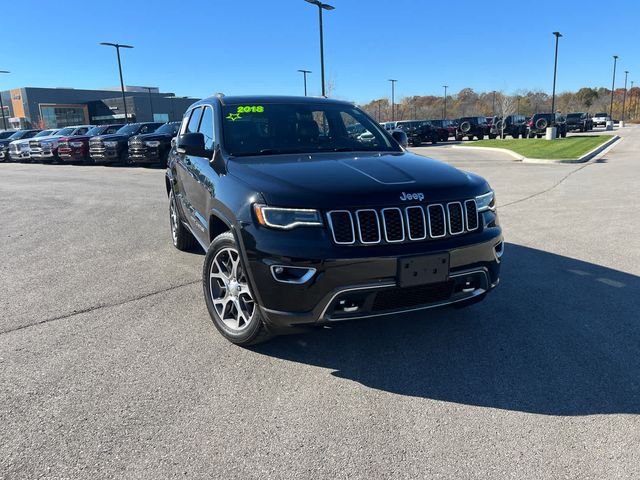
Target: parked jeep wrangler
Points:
(471, 127)
(306, 225)
(514, 125)
(540, 121)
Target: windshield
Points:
(300, 128)
(45, 133)
(65, 131)
(574, 116)
(603, 114)
(21, 134)
(95, 131)
(6, 134)
(169, 129)
(130, 129)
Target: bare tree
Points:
(507, 105)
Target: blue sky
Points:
(199, 47)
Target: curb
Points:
(583, 159)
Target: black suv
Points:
(113, 148)
(514, 125)
(305, 225)
(540, 121)
(153, 147)
(473, 127)
(580, 121)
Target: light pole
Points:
(393, 99)
(444, 111)
(613, 86)
(304, 73)
(555, 71)
(148, 89)
(4, 119)
(118, 46)
(321, 6)
(624, 96)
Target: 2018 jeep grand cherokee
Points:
(305, 224)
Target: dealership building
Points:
(32, 107)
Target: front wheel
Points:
(228, 295)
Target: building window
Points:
(57, 116)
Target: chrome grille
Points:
(399, 225)
(34, 144)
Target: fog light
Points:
(499, 249)
(296, 275)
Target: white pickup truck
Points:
(601, 119)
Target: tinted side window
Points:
(111, 130)
(206, 128)
(194, 121)
(82, 131)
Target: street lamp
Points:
(555, 70)
(118, 46)
(321, 6)
(624, 96)
(148, 89)
(393, 99)
(444, 111)
(4, 119)
(304, 73)
(613, 86)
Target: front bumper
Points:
(20, 156)
(72, 153)
(104, 154)
(366, 277)
(43, 154)
(144, 155)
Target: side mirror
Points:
(400, 137)
(193, 144)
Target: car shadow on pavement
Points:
(558, 337)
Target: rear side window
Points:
(111, 130)
(194, 121)
(206, 128)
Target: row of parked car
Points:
(133, 143)
(516, 126)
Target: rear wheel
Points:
(459, 138)
(181, 237)
(470, 137)
(481, 136)
(228, 295)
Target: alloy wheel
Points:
(229, 290)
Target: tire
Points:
(434, 139)
(470, 137)
(465, 127)
(481, 136)
(564, 134)
(516, 135)
(539, 135)
(180, 236)
(542, 123)
(491, 136)
(228, 294)
(459, 138)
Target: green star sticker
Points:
(233, 116)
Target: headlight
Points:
(152, 143)
(110, 144)
(75, 144)
(24, 146)
(486, 202)
(287, 218)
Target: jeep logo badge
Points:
(412, 196)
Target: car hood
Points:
(75, 138)
(48, 137)
(338, 180)
(111, 137)
(152, 136)
(20, 142)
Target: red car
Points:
(76, 148)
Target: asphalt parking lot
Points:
(110, 367)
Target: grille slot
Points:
(437, 226)
(416, 223)
(341, 225)
(395, 298)
(393, 225)
(471, 211)
(368, 226)
(456, 220)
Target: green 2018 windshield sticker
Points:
(244, 109)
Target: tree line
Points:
(468, 102)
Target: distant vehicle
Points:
(425, 133)
(114, 148)
(601, 119)
(579, 121)
(154, 147)
(19, 149)
(513, 125)
(45, 149)
(540, 121)
(449, 125)
(19, 135)
(75, 148)
(389, 125)
(471, 127)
